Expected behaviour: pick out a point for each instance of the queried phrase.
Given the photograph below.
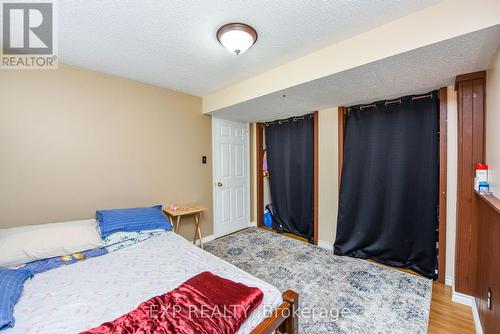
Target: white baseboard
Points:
(205, 239)
(325, 244)
(477, 321)
(253, 224)
(450, 281)
(458, 297)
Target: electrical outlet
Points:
(489, 299)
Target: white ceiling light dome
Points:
(237, 37)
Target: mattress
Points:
(83, 295)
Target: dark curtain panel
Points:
(388, 207)
(290, 158)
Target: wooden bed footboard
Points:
(284, 318)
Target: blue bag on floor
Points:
(268, 220)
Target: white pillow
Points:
(19, 245)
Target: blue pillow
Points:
(131, 220)
(11, 287)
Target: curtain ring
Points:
(392, 102)
(368, 106)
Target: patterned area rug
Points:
(377, 299)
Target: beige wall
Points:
(328, 175)
(493, 123)
(73, 141)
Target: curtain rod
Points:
(418, 97)
(281, 121)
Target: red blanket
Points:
(206, 303)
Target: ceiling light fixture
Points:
(237, 37)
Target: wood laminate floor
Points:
(447, 316)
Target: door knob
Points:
(219, 184)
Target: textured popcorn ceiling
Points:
(172, 43)
(417, 71)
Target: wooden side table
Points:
(187, 210)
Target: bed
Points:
(83, 295)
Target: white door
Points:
(231, 176)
